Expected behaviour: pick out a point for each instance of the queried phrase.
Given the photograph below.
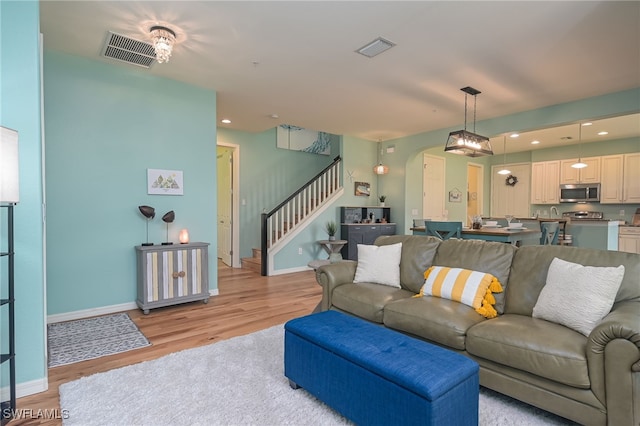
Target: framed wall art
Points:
(164, 182)
(362, 189)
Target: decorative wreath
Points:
(511, 180)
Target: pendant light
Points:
(504, 170)
(579, 164)
(467, 143)
(380, 169)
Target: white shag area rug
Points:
(239, 381)
(90, 338)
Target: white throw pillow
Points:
(379, 264)
(578, 296)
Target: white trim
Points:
(291, 270)
(86, 313)
(26, 388)
(235, 200)
(103, 310)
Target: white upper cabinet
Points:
(589, 174)
(631, 179)
(545, 182)
(620, 179)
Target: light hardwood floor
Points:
(247, 302)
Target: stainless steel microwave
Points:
(580, 193)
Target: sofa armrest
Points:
(613, 356)
(332, 276)
(623, 322)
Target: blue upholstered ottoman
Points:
(376, 376)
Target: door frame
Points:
(235, 203)
(480, 195)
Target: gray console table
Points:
(172, 274)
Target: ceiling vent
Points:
(376, 47)
(131, 51)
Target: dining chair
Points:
(443, 230)
(550, 231)
(418, 223)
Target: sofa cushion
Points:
(491, 257)
(472, 288)
(578, 296)
(366, 300)
(531, 263)
(418, 252)
(438, 320)
(537, 346)
(379, 264)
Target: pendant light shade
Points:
(504, 170)
(380, 169)
(579, 164)
(467, 143)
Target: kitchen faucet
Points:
(554, 211)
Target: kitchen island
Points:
(596, 234)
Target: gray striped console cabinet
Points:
(172, 274)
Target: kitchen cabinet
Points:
(629, 239)
(589, 174)
(545, 182)
(620, 179)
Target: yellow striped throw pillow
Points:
(472, 288)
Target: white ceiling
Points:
(296, 59)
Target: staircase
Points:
(292, 215)
(254, 262)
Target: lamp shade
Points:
(9, 176)
(184, 236)
(469, 144)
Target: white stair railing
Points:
(293, 212)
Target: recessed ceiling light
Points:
(225, 121)
(514, 135)
(535, 142)
(602, 133)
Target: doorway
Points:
(475, 194)
(433, 187)
(227, 161)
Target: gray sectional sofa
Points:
(593, 380)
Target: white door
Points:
(475, 194)
(511, 199)
(433, 187)
(225, 205)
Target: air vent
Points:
(376, 47)
(131, 51)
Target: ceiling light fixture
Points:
(163, 39)
(467, 143)
(504, 170)
(380, 169)
(579, 164)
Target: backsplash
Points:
(610, 211)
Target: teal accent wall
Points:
(105, 126)
(20, 110)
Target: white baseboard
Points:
(103, 310)
(291, 270)
(26, 388)
(86, 313)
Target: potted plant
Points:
(382, 198)
(331, 227)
